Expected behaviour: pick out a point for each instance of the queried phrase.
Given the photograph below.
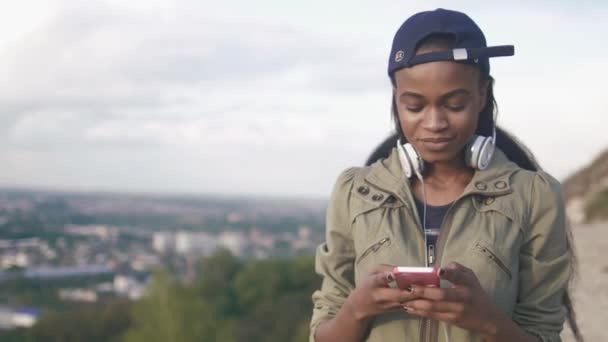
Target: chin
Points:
(440, 156)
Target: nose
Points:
(435, 120)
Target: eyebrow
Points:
(454, 92)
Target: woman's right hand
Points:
(374, 296)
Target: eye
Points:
(455, 108)
(413, 109)
(456, 103)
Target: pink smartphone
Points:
(406, 276)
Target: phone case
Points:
(424, 276)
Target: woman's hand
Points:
(375, 296)
(465, 305)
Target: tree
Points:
(105, 322)
(170, 312)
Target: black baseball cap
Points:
(469, 42)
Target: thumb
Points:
(383, 279)
(457, 274)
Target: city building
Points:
(199, 243)
(24, 317)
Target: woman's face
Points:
(438, 104)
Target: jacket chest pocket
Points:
(376, 241)
(497, 273)
(380, 252)
(494, 252)
(492, 257)
(494, 270)
(373, 246)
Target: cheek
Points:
(408, 125)
(467, 123)
(409, 121)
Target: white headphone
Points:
(478, 154)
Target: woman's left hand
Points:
(465, 305)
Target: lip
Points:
(436, 144)
(437, 139)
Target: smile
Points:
(436, 144)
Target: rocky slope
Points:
(586, 189)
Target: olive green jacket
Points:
(508, 226)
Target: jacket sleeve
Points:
(335, 257)
(545, 263)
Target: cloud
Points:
(115, 68)
(121, 98)
(251, 97)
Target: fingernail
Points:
(441, 272)
(409, 288)
(406, 308)
(390, 277)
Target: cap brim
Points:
(462, 54)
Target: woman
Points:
(445, 198)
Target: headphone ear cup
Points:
(485, 154)
(411, 163)
(415, 160)
(479, 152)
(405, 162)
(473, 150)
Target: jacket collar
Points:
(387, 174)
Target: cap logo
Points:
(399, 56)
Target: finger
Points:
(387, 298)
(449, 317)
(456, 265)
(437, 294)
(388, 295)
(458, 274)
(432, 306)
(382, 279)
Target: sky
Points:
(270, 98)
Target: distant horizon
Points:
(160, 195)
(177, 193)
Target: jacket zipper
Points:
(425, 325)
(425, 322)
(433, 326)
(374, 248)
(494, 258)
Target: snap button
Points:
(363, 190)
(500, 185)
(489, 200)
(391, 199)
(378, 197)
(481, 186)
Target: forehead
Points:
(437, 77)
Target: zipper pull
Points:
(431, 253)
(379, 244)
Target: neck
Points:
(448, 173)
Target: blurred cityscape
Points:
(118, 267)
(85, 248)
